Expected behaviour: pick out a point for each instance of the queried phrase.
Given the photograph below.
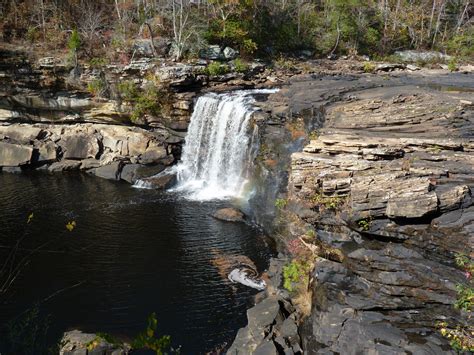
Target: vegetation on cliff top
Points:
(256, 27)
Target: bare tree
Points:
(183, 29)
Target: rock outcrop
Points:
(389, 182)
(76, 342)
(99, 149)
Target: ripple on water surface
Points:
(133, 251)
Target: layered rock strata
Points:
(389, 181)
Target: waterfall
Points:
(218, 154)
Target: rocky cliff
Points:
(385, 188)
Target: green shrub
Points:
(453, 65)
(127, 90)
(240, 66)
(293, 273)
(97, 87)
(465, 300)
(149, 101)
(98, 63)
(216, 68)
(74, 41)
(369, 67)
(148, 339)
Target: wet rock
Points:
(133, 172)
(229, 215)
(11, 169)
(110, 171)
(64, 165)
(90, 163)
(161, 181)
(14, 154)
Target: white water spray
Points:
(220, 147)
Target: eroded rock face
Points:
(388, 182)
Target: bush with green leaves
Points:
(149, 340)
(453, 64)
(98, 62)
(148, 101)
(217, 68)
(240, 66)
(97, 87)
(294, 273)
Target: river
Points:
(132, 252)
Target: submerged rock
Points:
(229, 215)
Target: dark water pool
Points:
(132, 252)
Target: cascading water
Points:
(218, 151)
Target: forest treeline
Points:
(108, 28)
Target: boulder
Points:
(133, 172)
(153, 155)
(76, 342)
(212, 52)
(229, 215)
(160, 181)
(24, 133)
(384, 67)
(14, 154)
(64, 165)
(46, 62)
(90, 163)
(47, 152)
(144, 47)
(230, 53)
(110, 171)
(80, 146)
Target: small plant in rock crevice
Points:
(281, 203)
(461, 337)
(294, 273)
(329, 202)
(364, 224)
